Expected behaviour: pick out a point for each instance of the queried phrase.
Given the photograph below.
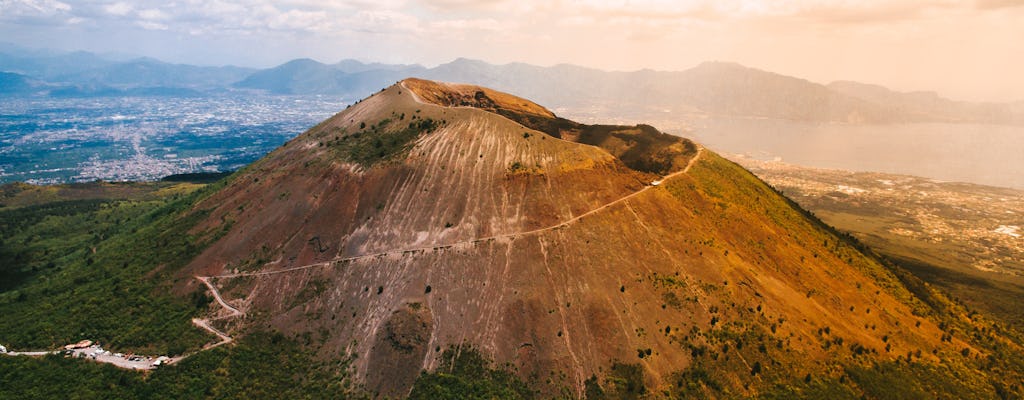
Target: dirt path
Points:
(204, 323)
(700, 151)
(29, 353)
(216, 295)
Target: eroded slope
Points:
(463, 231)
(641, 147)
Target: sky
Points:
(967, 50)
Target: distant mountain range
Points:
(712, 88)
(87, 74)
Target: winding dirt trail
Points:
(216, 295)
(700, 151)
(204, 323)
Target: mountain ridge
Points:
(709, 88)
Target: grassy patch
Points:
(33, 238)
(385, 140)
(624, 381)
(466, 374)
(102, 271)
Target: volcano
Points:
(584, 258)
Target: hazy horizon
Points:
(964, 51)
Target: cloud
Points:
(297, 20)
(153, 14)
(10, 9)
(483, 24)
(820, 11)
(466, 5)
(119, 9)
(150, 25)
(995, 4)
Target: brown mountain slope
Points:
(640, 147)
(400, 227)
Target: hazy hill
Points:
(50, 67)
(714, 88)
(88, 74)
(306, 76)
(13, 83)
(151, 72)
(710, 88)
(929, 105)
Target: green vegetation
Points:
(465, 374)
(918, 381)
(994, 297)
(260, 366)
(824, 389)
(383, 141)
(32, 237)
(101, 270)
(624, 381)
(196, 177)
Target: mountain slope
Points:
(426, 218)
(306, 76)
(51, 66)
(12, 83)
(929, 106)
(732, 89)
(88, 72)
(149, 72)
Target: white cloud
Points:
(154, 15)
(381, 21)
(119, 9)
(297, 20)
(32, 8)
(483, 24)
(150, 25)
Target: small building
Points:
(80, 345)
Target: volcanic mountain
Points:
(587, 259)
